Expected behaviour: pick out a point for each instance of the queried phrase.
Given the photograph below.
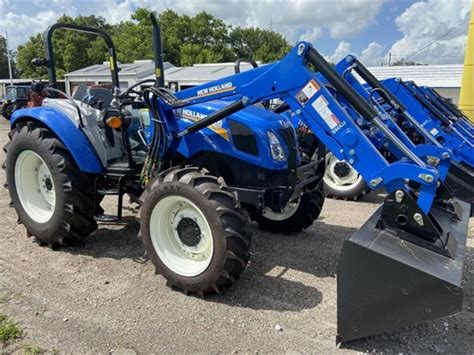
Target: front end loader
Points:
(424, 119)
(418, 236)
(203, 159)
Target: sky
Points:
(428, 32)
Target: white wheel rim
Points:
(345, 183)
(35, 186)
(286, 212)
(187, 257)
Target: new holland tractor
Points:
(207, 158)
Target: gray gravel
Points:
(101, 297)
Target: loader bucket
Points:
(460, 180)
(385, 281)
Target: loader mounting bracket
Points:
(401, 213)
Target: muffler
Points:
(401, 272)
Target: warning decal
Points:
(309, 90)
(321, 107)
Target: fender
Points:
(68, 133)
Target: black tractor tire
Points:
(354, 194)
(73, 216)
(10, 108)
(307, 211)
(227, 222)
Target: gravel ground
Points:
(101, 297)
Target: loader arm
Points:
(309, 98)
(442, 105)
(447, 121)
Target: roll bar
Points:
(48, 49)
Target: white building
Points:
(99, 74)
(446, 79)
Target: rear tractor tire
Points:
(194, 231)
(53, 199)
(295, 216)
(341, 181)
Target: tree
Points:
(72, 50)
(26, 53)
(258, 44)
(404, 63)
(4, 72)
(133, 38)
(187, 40)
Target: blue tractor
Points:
(205, 159)
(16, 97)
(422, 114)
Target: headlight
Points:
(276, 148)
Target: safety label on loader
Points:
(321, 107)
(309, 90)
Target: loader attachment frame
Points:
(403, 104)
(420, 211)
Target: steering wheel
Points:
(135, 93)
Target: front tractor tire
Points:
(341, 181)
(194, 231)
(295, 216)
(53, 199)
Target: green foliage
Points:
(4, 73)
(133, 38)
(26, 53)
(32, 350)
(186, 40)
(72, 50)
(9, 330)
(258, 44)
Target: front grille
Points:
(244, 139)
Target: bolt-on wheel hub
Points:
(181, 236)
(35, 186)
(340, 175)
(189, 232)
(286, 212)
(342, 169)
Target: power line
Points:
(438, 38)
